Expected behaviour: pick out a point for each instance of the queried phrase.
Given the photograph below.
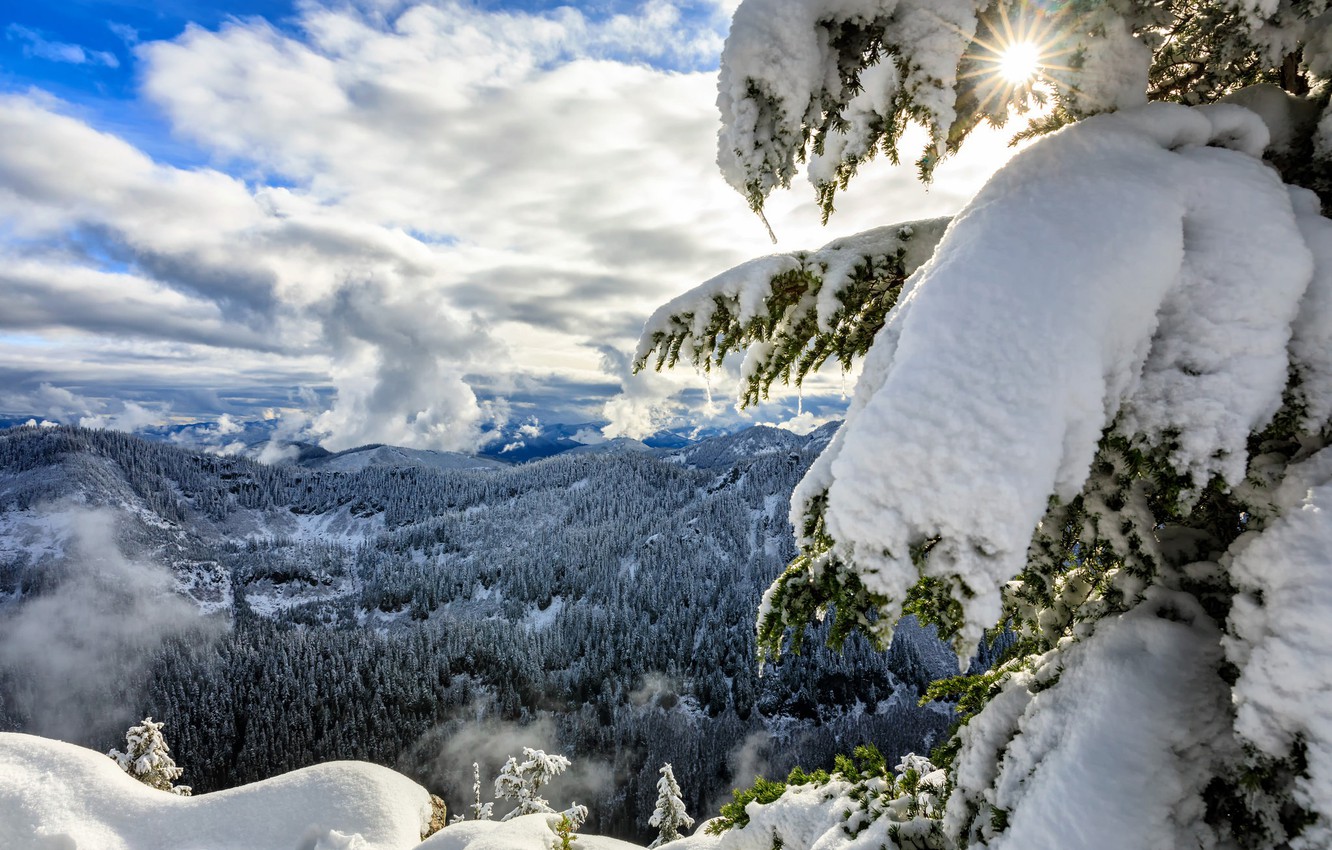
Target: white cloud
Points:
(292, 424)
(62, 405)
(36, 44)
(409, 200)
(644, 402)
(588, 436)
(131, 417)
(227, 426)
(126, 33)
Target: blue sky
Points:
(399, 221)
(83, 52)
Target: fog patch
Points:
(747, 760)
(76, 656)
(751, 758)
(656, 689)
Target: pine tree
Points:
(148, 758)
(669, 817)
(1095, 405)
(522, 781)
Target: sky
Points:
(396, 221)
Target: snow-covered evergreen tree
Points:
(522, 781)
(480, 811)
(576, 815)
(148, 758)
(1095, 406)
(669, 817)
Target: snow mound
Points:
(529, 832)
(56, 795)
(1105, 274)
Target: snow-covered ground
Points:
(56, 796)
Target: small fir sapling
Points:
(670, 816)
(522, 781)
(148, 758)
(480, 811)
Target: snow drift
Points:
(56, 795)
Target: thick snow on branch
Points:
(1282, 637)
(791, 311)
(1117, 755)
(1143, 264)
(1311, 349)
(788, 63)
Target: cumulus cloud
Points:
(357, 294)
(130, 417)
(227, 426)
(287, 425)
(432, 212)
(399, 357)
(588, 436)
(805, 422)
(62, 405)
(644, 403)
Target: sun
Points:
(1017, 57)
(1020, 61)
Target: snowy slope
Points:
(728, 450)
(619, 444)
(56, 795)
(364, 457)
(532, 832)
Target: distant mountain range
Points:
(509, 444)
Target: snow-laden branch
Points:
(835, 82)
(790, 70)
(1143, 267)
(791, 312)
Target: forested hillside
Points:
(597, 604)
